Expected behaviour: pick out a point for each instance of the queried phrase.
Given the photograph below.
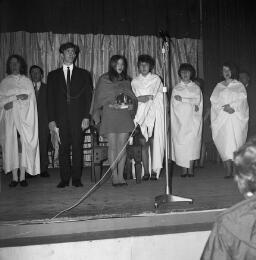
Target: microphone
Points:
(164, 35)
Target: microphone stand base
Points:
(169, 199)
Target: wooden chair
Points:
(97, 152)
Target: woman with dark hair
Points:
(229, 116)
(148, 89)
(114, 108)
(18, 122)
(186, 120)
(233, 235)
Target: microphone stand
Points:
(167, 197)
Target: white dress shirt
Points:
(65, 69)
(37, 85)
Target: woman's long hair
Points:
(112, 73)
(21, 61)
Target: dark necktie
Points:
(36, 90)
(68, 85)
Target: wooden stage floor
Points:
(41, 200)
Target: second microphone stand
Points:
(167, 197)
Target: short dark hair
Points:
(245, 164)
(187, 67)
(112, 73)
(36, 67)
(244, 72)
(68, 45)
(233, 68)
(21, 61)
(147, 59)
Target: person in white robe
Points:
(148, 89)
(186, 120)
(229, 116)
(18, 123)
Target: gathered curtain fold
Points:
(42, 49)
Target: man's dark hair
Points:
(36, 67)
(112, 73)
(187, 67)
(68, 45)
(21, 61)
(147, 59)
(244, 72)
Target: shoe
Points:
(153, 177)
(45, 174)
(63, 184)
(13, 184)
(146, 177)
(184, 175)
(115, 184)
(28, 176)
(123, 184)
(228, 177)
(191, 175)
(77, 183)
(24, 183)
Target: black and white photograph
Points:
(127, 130)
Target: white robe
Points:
(186, 123)
(150, 115)
(229, 131)
(22, 118)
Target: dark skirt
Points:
(116, 121)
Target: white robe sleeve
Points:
(193, 101)
(6, 99)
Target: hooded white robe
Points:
(186, 123)
(22, 118)
(150, 115)
(229, 131)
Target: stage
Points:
(42, 200)
(116, 217)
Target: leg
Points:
(229, 166)
(112, 153)
(154, 175)
(184, 172)
(77, 154)
(191, 169)
(145, 157)
(64, 154)
(203, 154)
(121, 140)
(23, 181)
(43, 146)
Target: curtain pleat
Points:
(42, 49)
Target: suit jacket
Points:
(41, 98)
(80, 92)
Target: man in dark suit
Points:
(36, 74)
(69, 100)
(244, 77)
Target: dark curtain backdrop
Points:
(181, 18)
(229, 34)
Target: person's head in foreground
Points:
(245, 163)
(234, 233)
